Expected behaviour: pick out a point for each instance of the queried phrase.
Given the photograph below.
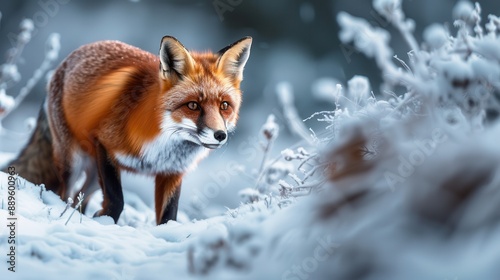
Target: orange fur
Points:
(84, 120)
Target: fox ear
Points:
(232, 59)
(174, 58)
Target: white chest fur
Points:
(174, 158)
(172, 151)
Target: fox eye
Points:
(193, 106)
(224, 105)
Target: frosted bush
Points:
(447, 73)
(414, 171)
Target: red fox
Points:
(114, 107)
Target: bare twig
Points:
(80, 201)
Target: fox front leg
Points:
(167, 192)
(109, 179)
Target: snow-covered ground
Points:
(48, 244)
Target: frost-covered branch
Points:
(9, 74)
(53, 46)
(391, 10)
(284, 91)
(269, 131)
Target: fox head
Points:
(201, 91)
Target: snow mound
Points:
(95, 248)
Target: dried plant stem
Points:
(262, 168)
(80, 201)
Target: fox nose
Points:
(220, 135)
